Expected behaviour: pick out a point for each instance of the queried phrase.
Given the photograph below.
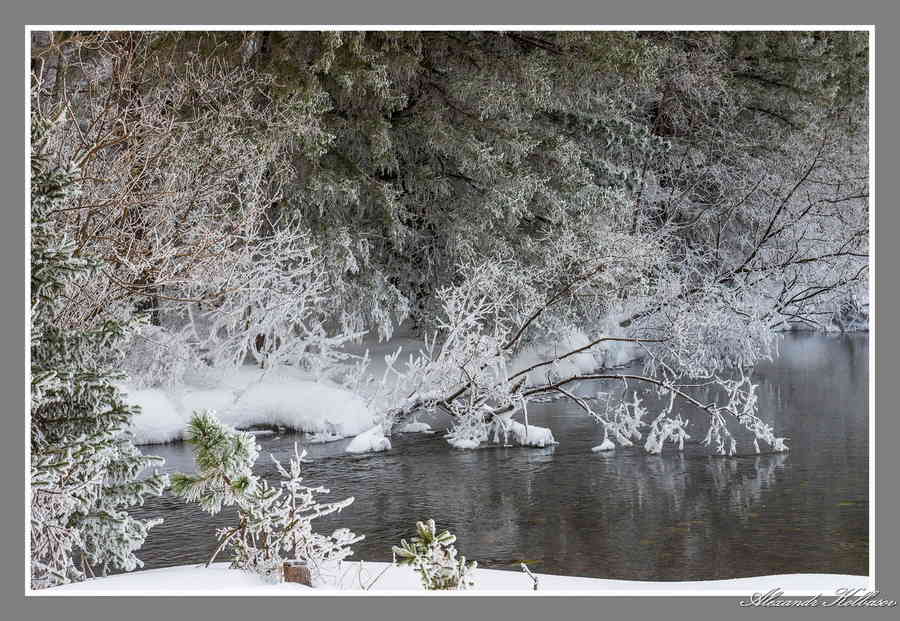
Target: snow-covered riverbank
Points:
(291, 398)
(386, 579)
(249, 396)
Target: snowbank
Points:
(301, 405)
(372, 440)
(219, 580)
(288, 398)
(249, 397)
(160, 420)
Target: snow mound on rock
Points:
(372, 440)
(606, 445)
(464, 443)
(531, 435)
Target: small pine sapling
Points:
(274, 524)
(433, 557)
(225, 459)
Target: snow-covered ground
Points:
(385, 579)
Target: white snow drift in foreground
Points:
(219, 580)
(372, 440)
(250, 397)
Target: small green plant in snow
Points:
(433, 556)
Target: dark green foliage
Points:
(433, 556)
(225, 459)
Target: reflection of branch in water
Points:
(669, 480)
(505, 520)
(664, 478)
(744, 487)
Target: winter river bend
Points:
(622, 514)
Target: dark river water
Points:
(626, 515)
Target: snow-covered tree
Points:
(529, 200)
(85, 471)
(274, 523)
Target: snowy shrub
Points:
(274, 524)
(158, 357)
(270, 307)
(433, 557)
(470, 427)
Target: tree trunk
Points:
(297, 571)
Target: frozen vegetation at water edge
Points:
(250, 397)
